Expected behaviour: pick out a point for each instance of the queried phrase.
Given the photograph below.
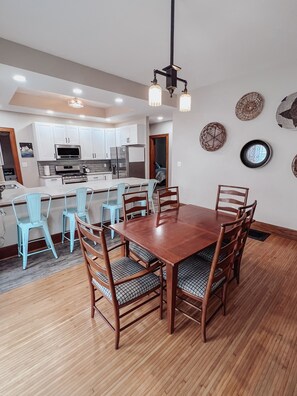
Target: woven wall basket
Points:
(294, 166)
(249, 106)
(286, 113)
(213, 136)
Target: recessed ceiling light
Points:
(49, 111)
(82, 116)
(19, 78)
(160, 118)
(107, 119)
(118, 100)
(77, 91)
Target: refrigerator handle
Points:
(114, 169)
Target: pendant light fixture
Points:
(75, 103)
(170, 72)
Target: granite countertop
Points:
(59, 191)
(98, 173)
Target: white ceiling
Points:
(214, 40)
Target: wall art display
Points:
(294, 166)
(213, 136)
(286, 113)
(26, 150)
(249, 106)
(255, 153)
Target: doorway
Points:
(10, 164)
(159, 158)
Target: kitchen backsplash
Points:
(94, 166)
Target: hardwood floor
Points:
(49, 345)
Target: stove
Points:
(71, 174)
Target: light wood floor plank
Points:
(49, 345)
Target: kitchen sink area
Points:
(10, 186)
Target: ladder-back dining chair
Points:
(82, 200)
(122, 282)
(200, 281)
(230, 198)
(32, 217)
(133, 205)
(208, 253)
(114, 204)
(168, 198)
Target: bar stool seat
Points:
(81, 208)
(34, 219)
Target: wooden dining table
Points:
(173, 236)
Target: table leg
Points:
(171, 283)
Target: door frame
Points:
(14, 150)
(152, 139)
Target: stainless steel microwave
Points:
(66, 151)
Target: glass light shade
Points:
(185, 102)
(155, 95)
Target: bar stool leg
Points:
(112, 220)
(25, 241)
(64, 221)
(49, 239)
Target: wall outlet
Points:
(25, 164)
(179, 164)
(105, 165)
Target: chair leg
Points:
(161, 293)
(49, 239)
(203, 321)
(112, 220)
(64, 223)
(153, 206)
(19, 235)
(72, 232)
(92, 301)
(117, 328)
(224, 298)
(102, 216)
(25, 241)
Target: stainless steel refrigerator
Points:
(127, 161)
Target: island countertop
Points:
(57, 192)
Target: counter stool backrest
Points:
(121, 189)
(83, 198)
(33, 206)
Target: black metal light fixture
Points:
(170, 72)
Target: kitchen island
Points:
(57, 193)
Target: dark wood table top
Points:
(176, 234)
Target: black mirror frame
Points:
(247, 146)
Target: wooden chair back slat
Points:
(135, 204)
(225, 252)
(89, 237)
(234, 195)
(168, 192)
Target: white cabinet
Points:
(44, 146)
(131, 134)
(98, 143)
(92, 143)
(66, 134)
(110, 140)
(51, 181)
(96, 177)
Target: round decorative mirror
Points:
(255, 154)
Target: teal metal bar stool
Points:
(33, 219)
(150, 188)
(82, 199)
(114, 204)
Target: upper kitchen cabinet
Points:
(130, 134)
(92, 143)
(44, 145)
(66, 134)
(110, 141)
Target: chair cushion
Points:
(143, 254)
(193, 275)
(129, 290)
(207, 253)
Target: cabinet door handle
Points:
(53, 179)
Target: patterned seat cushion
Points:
(208, 253)
(193, 275)
(129, 290)
(143, 254)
